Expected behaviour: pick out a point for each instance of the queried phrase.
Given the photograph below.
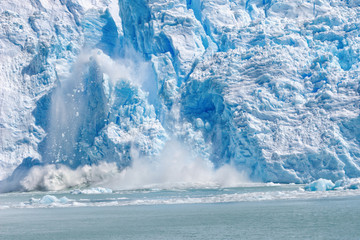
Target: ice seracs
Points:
(270, 87)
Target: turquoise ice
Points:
(268, 87)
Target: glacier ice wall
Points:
(271, 87)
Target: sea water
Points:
(249, 212)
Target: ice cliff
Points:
(271, 86)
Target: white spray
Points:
(175, 167)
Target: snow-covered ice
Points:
(268, 87)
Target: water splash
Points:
(175, 168)
(87, 145)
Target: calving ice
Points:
(106, 91)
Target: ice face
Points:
(271, 87)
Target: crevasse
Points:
(271, 87)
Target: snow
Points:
(269, 87)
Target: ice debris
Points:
(49, 199)
(320, 185)
(328, 185)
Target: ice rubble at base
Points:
(328, 185)
(271, 87)
(146, 197)
(320, 185)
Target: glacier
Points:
(270, 87)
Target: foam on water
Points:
(97, 190)
(251, 193)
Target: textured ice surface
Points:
(326, 185)
(271, 87)
(320, 185)
(352, 183)
(49, 200)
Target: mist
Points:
(82, 106)
(176, 168)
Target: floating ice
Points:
(352, 183)
(326, 185)
(320, 185)
(50, 199)
(259, 192)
